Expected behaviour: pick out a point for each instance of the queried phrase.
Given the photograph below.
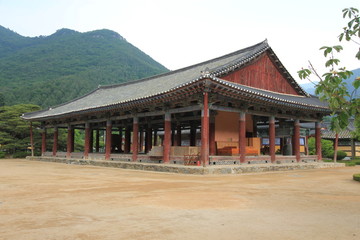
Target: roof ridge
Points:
(265, 43)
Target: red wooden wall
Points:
(262, 74)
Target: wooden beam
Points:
(258, 113)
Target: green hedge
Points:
(21, 154)
(356, 177)
(339, 156)
(2, 154)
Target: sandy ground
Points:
(40, 200)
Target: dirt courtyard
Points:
(40, 200)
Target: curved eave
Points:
(267, 98)
(241, 91)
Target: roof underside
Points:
(164, 83)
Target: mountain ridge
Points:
(49, 70)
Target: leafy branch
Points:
(331, 86)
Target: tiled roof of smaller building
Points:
(344, 134)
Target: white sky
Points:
(179, 33)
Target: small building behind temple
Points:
(243, 107)
(346, 141)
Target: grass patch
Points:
(356, 177)
(348, 163)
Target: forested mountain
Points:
(67, 64)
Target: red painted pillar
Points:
(242, 136)
(120, 140)
(178, 134)
(73, 140)
(108, 141)
(148, 139)
(205, 131)
(173, 135)
(318, 140)
(87, 141)
(167, 138)
(91, 141)
(135, 142)
(141, 140)
(127, 140)
(43, 141)
(31, 140)
(297, 139)
(69, 143)
(97, 141)
(212, 147)
(272, 138)
(55, 144)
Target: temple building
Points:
(243, 107)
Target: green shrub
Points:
(327, 147)
(2, 154)
(21, 154)
(356, 177)
(340, 155)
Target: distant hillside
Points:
(67, 64)
(309, 87)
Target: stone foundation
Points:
(177, 168)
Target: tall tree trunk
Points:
(336, 146)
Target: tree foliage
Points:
(327, 147)
(331, 86)
(14, 131)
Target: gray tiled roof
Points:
(144, 88)
(343, 134)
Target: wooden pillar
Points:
(272, 138)
(178, 134)
(173, 135)
(212, 147)
(69, 143)
(148, 139)
(297, 139)
(167, 138)
(155, 138)
(242, 136)
(73, 140)
(120, 140)
(192, 135)
(205, 131)
(127, 139)
(91, 140)
(318, 140)
(108, 139)
(135, 142)
(336, 144)
(97, 141)
(31, 140)
(87, 140)
(55, 143)
(353, 148)
(141, 142)
(43, 141)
